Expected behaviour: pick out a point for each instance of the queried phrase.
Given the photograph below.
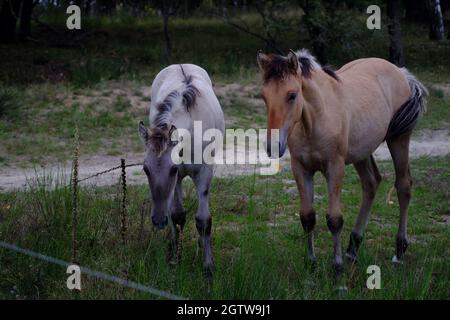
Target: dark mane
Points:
(190, 93)
(158, 139)
(188, 96)
(164, 109)
(306, 65)
(330, 71)
(278, 67)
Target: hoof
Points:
(338, 269)
(311, 262)
(396, 260)
(342, 291)
(351, 258)
(208, 272)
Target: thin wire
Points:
(93, 273)
(109, 170)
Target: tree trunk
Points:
(396, 55)
(416, 11)
(167, 36)
(436, 20)
(25, 19)
(8, 19)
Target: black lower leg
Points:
(402, 245)
(179, 218)
(308, 221)
(335, 225)
(203, 226)
(353, 245)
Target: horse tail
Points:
(405, 119)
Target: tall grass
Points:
(258, 244)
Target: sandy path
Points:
(430, 143)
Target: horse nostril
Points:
(281, 149)
(269, 149)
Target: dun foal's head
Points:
(160, 170)
(281, 93)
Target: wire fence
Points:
(74, 184)
(93, 273)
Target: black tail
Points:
(405, 119)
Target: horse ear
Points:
(293, 60)
(143, 132)
(262, 59)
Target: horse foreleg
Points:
(305, 185)
(178, 217)
(370, 180)
(335, 176)
(202, 181)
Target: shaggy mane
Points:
(278, 68)
(188, 96)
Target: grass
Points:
(258, 242)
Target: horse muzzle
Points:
(160, 223)
(280, 141)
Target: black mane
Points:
(279, 68)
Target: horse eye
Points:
(292, 96)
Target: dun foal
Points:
(329, 119)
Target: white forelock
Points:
(304, 53)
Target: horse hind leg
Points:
(370, 180)
(399, 149)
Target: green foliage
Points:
(9, 104)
